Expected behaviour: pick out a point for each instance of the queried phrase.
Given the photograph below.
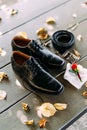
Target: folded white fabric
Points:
(73, 78)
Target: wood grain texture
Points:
(31, 17)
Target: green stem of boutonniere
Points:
(76, 72)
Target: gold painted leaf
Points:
(77, 53)
(2, 94)
(60, 106)
(25, 106)
(23, 34)
(42, 33)
(42, 123)
(50, 20)
(86, 84)
(47, 109)
(3, 76)
(30, 122)
(84, 94)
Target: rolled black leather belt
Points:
(62, 40)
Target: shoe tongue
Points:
(31, 64)
(34, 45)
(28, 61)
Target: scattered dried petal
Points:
(23, 118)
(50, 20)
(19, 114)
(39, 113)
(30, 122)
(79, 38)
(2, 94)
(60, 106)
(84, 94)
(47, 109)
(13, 11)
(1, 33)
(42, 123)
(3, 76)
(76, 53)
(25, 106)
(42, 34)
(74, 15)
(3, 7)
(0, 50)
(3, 53)
(86, 84)
(23, 34)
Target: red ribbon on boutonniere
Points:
(75, 70)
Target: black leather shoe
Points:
(33, 48)
(28, 69)
(21, 44)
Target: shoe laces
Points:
(34, 66)
(35, 46)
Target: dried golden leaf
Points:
(0, 50)
(84, 94)
(23, 34)
(2, 94)
(3, 76)
(50, 20)
(42, 123)
(42, 34)
(60, 106)
(25, 106)
(79, 38)
(13, 11)
(76, 53)
(1, 33)
(74, 15)
(86, 84)
(30, 122)
(47, 109)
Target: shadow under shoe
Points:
(34, 49)
(28, 69)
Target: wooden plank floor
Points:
(27, 11)
(31, 16)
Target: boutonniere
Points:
(74, 69)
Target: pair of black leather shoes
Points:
(26, 66)
(34, 49)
